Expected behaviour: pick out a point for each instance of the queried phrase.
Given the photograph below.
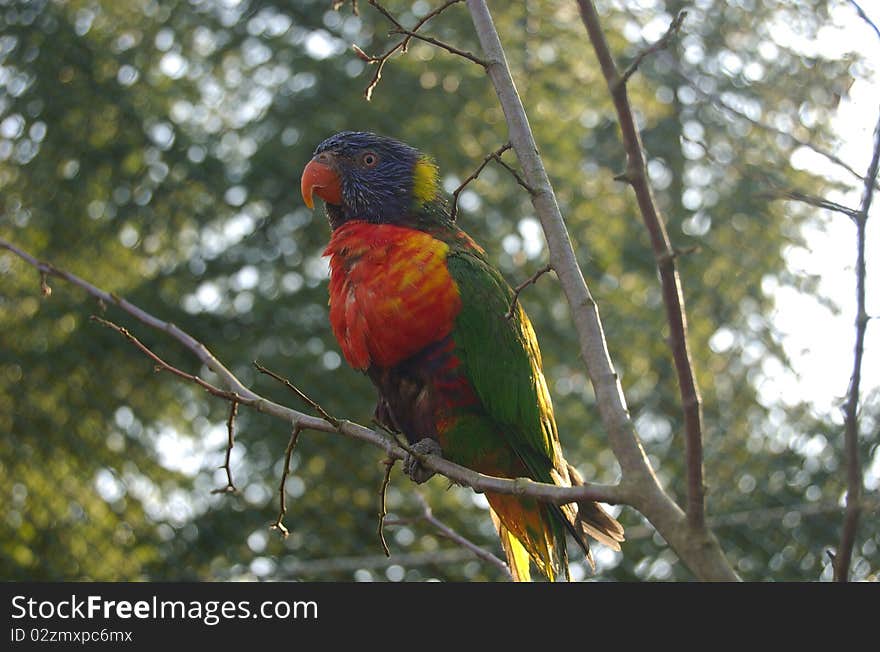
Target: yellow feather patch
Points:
(425, 180)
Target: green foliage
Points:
(154, 148)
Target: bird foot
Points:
(411, 464)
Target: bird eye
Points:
(370, 159)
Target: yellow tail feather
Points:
(517, 556)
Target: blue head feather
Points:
(382, 193)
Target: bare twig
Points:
(386, 478)
(678, 252)
(864, 16)
(282, 495)
(381, 61)
(441, 44)
(473, 175)
(726, 107)
(661, 44)
(516, 176)
(774, 192)
(230, 442)
(452, 535)
(333, 421)
(698, 549)
(338, 3)
(161, 365)
(428, 516)
(673, 298)
(818, 202)
(45, 290)
(612, 494)
(851, 409)
(382, 10)
(401, 46)
(522, 286)
(496, 156)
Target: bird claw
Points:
(411, 464)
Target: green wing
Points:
(503, 362)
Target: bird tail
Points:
(591, 520)
(532, 530)
(517, 556)
(528, 530)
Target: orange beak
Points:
(320, 179)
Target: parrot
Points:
(415, 304)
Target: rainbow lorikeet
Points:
(415, 304)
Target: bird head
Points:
(362, 176)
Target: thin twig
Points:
(382, 10)
(473, 175)
(161, 365)
(300, 394)
(518, 178)
(45, 290)
(338, 3)
(722, 104)
(282, 496)
(386, 478)
(230, 442)
(678, 252)
(522, 286)
(774, 193)
(661, 44)
(818, 202)
(394, 434)
(401, 46)
(864, 16)
(470, 56)
(381, 61)
(851, 409)
(452, 535)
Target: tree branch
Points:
(440, 44)
(428, 516)
(661, 44)
(818, 202)
(496, 155)
(401, 46)
(386, 478)
(333, 421)
(637, 176)
(522, 286)
(161, 365)
(230, 442)
(282, 495)
(612, 494)
(851, 409)
(775, 192)
(699, 549)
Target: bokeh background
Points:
(154, 148)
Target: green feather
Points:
(502, 361)
(501, 358)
